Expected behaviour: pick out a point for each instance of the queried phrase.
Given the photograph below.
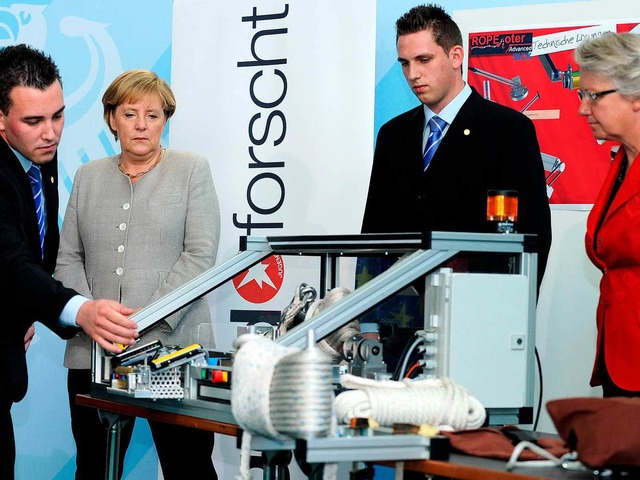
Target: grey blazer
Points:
(135, 243)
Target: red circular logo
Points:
(261, 282)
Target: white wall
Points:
(566, 333)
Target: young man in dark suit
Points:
(31, 123)
(485, 146)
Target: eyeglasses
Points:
(593, 96)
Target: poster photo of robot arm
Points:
(532, 70)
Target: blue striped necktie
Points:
(35, 177)
(436, 129)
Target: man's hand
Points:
(107, 322)
(29, 336)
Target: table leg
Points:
(113, 422)
(275, 464)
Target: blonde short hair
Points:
(131, 86)
(614, 56)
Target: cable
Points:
(405, 360)
(539, 364)
(550, 459)
(405, 352)
(413, 368)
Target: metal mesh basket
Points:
(166, 384)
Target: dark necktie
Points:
(436, 129)
(35, 177)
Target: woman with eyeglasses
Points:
(610, 102)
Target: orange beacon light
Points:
(502, 211)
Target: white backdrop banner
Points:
(280, 97)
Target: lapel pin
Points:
(467, 131)
(52, 180)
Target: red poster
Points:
(533, 71)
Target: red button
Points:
(219, 376)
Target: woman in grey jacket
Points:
(137, 226)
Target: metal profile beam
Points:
(347, 448)
(199, 286)
(367, 449)
(482, 242)
(351, 245)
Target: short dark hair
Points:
(445, 31)
(24, 66)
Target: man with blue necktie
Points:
(31, 123)
(434, 164)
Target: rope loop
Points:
(436, 401)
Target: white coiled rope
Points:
(302, 393)
(439, 402)
(280, 392)
(253, 365)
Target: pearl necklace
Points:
(139, 174)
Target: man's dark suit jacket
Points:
(28, 292)
(488, 146)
